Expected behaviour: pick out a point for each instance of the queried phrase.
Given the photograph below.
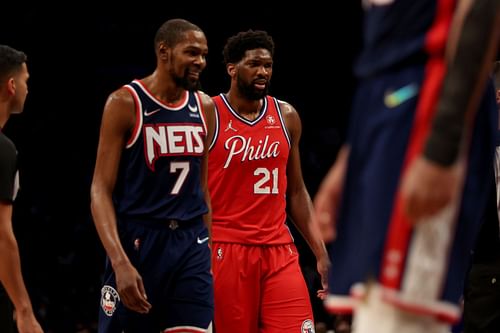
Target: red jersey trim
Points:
(138, 117)
(188, 329)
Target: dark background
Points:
(77, 55)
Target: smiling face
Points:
(253, 73)
(187, 59)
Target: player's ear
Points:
(163, 51)
(11, 86)
(231, 69)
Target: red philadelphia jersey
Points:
(247, 175)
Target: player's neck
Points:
(249, 109)
(4, 115)
(164, 88)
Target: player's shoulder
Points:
(285, 107)
(205, 98)
(121, 96)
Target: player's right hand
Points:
(131, 288)
(428, 187)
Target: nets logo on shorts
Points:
(307, 326)
(109, 300)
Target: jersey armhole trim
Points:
(138, 117)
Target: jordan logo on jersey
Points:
(244, 149)
(171, 140)
(230, 127)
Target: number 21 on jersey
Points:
(267, 182)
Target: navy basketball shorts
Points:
(173, 259)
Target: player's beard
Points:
(187, 83)
(184, 81)
(249, 91)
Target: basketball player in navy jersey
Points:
(254, 177)
(13, 90)
(409, 187)
(149, 195)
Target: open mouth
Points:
(260, 84)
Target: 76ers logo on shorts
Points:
(109, 300)
(307, 326)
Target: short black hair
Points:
(172, 31)
(237, 45)
(11, 60)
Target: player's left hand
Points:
(26, 322)
(323, 265)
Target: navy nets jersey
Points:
(160, 170)
(393, 38)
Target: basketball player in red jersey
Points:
(254, 178)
